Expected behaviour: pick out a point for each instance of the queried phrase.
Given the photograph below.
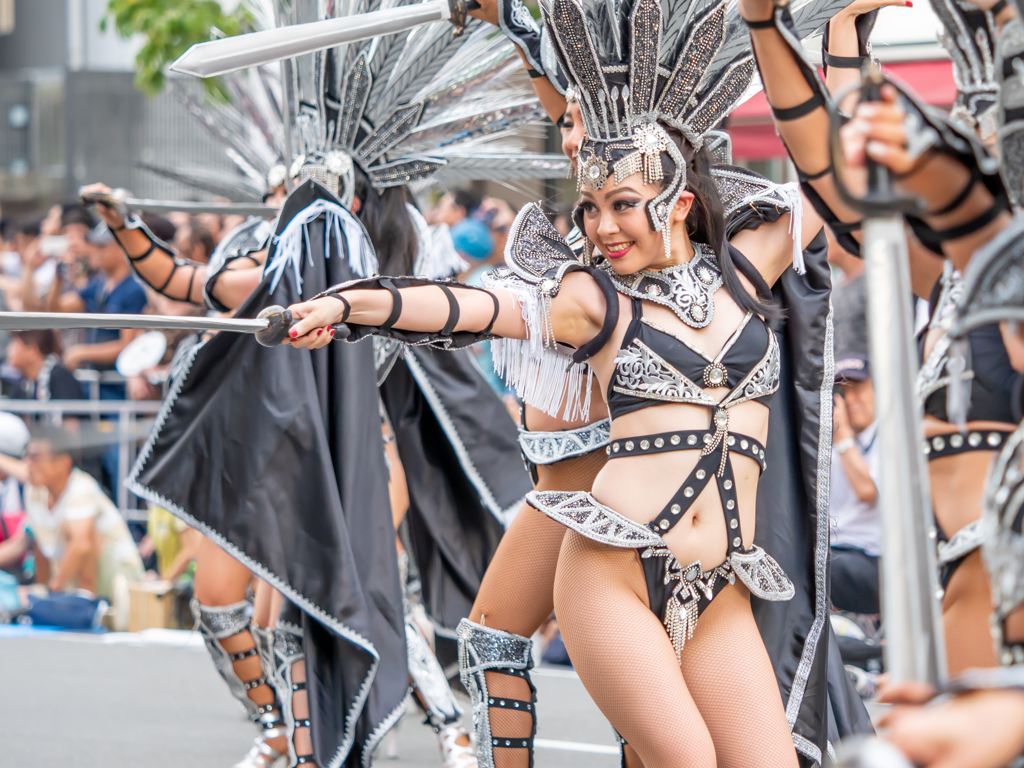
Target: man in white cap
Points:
(856, 532)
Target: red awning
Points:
(753, 134)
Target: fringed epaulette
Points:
(542, 373)
(344, 238)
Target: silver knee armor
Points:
(482, 649)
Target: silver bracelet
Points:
(844, 445)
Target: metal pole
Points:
(914, 649)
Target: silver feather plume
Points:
(423, 103)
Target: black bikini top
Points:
(993, 380)
(655, 366)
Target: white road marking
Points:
(575, 746)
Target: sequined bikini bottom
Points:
(678, 594)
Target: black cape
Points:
(276, 455)
(792, 515)
(464, 472)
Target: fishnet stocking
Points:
(966, 608)
(720, 708)
(516, 592)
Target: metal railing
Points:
(128, 425)
(91, 380)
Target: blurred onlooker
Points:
(856, 539)
(112, 290)
(159, 226)
(182, 230)
(173, 541)
(14, 437)
(453, 207)
(498, 216)
(473, 241)
(200, 244)
(36, 355)
(563, 223)
(214, 224)
(82, 539)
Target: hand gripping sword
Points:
(270, 327)
(914, 649)
(228, 54)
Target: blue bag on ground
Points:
(69, 611)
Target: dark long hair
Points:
(388, 224)
(706, 224)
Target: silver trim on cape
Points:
(131, 483)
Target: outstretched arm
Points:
(166, 273)
(514, 19)
(576, 312)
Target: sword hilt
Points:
(880, 199)
(107, 200)
(280, 321)
(460, 13)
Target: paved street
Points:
(156, 702)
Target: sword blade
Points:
(33, 321)
(914, 648)
(222, 209)
(218, 57)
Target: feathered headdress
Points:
(424, 103)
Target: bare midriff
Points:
(958, 481)
(639, 487)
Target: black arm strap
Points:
(453, 311)
(998, 8)
(146, 255)
(814, 176)
(960, 198)
(972, 226)
(764, 24)
(611, 318)
(343, 300)
(840, 229)
(843, 62)
(494, 317)
(396, 304)
(800, 110)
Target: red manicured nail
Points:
(909, 4)
(319, 331)
(293, 333)
(332, 331)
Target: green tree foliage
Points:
(170, 28)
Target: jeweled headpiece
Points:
(636, 74)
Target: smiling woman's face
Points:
(615, 220)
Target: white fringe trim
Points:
(436, 257)
(341, 225)
(794, 197)
(541, 374)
